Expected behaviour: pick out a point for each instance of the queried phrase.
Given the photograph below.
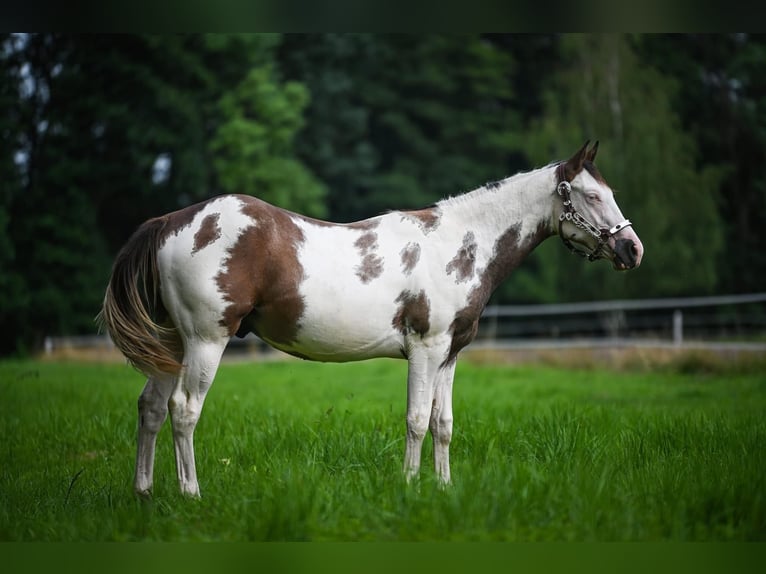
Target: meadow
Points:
(290, 451)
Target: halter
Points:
(570, 214)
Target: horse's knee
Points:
(417, 426)
(184, 412)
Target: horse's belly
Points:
(351, 338)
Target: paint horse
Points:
(406, 284)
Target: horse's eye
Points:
(593, 197)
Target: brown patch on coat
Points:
(371, 267)
(591, 168)
(367, 242)
(568, 173)
(208, 232)
(365, 224)
(508, 253)
(413, 314)
(494, 184)
(464, 262)
(262, 274)
(177, 221)
(410, 255)
(427, 219)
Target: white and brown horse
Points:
(407, 284)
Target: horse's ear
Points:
(573, 166)
(591, 155)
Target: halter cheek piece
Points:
(570, 214)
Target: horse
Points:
(408, 284)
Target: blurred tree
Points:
(252, 148)
(111, 130)
(101, 132)
(59, 256)
(335, 141)
(721, 101)
(602, 90)
(400, 121)
(11, 287)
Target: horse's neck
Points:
(522, 203)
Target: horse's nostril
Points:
(627, 252)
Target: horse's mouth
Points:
(626, 255)
(618, 264)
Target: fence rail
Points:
(690, 321)
(714, 317)
(621, 305)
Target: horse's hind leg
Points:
(201, 360)
(152, 412)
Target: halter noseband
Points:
(570, 214)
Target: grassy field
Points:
(301, 451)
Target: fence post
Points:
(678, 327)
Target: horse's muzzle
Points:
(627, 253)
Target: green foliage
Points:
(401, 121)
(721, 103)
(10, 283)
(299, 451)
(59, 256)
(114, 130)
(604, 92)
(101, 132)
(252, 147)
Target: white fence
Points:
(716, 320)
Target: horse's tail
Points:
(133, 312)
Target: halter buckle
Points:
(564, 188)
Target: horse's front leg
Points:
(424, 363)
(441, 420)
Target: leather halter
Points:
(570, 214)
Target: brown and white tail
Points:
(133, 312)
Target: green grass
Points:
(302, 451)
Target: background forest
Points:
(102, 132)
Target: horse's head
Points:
(590, 222)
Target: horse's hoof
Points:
(143, 494)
